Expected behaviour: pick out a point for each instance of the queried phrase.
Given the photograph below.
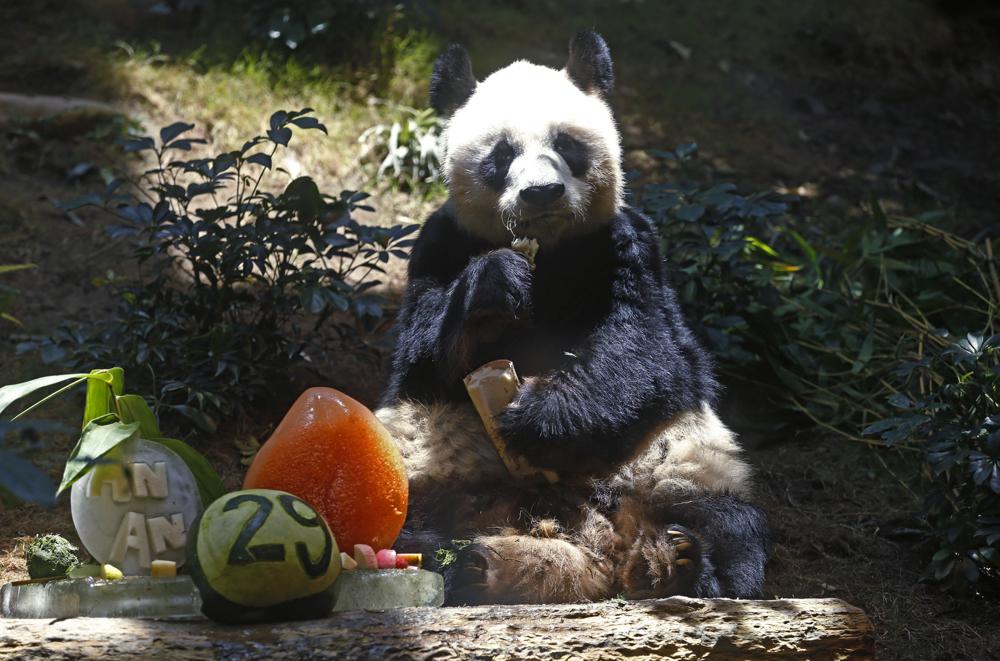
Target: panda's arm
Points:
(639, 366)
(455, 282)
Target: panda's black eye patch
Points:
(573, 152)
(493, 169)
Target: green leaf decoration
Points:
(133, 408)
(209, 483)
(96, 441)
(12, 393)
(101, 388)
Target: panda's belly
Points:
(442, 443)
(693, 454)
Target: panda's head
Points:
(530, 151)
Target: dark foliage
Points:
(235, 281)
(950, 403)
(841, 327)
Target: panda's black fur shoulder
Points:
(595, 321)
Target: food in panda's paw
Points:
(333, 453)
(527, 247)
(260, 555)
(492, 387)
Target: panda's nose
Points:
(541, 196)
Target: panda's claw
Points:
(682, 562)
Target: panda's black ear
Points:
(452, 82)
(589, 65)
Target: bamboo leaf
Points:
(96, 441)
(102, 387)
(133, 408)
(12, 393)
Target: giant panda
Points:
(618, 394)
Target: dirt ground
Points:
(836, 101)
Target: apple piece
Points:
(386, 559)
(365, 557)
(347, 563)
(111, 573)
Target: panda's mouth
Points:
(547, 217)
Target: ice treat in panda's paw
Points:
(493, 387)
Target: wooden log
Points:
(678, 627)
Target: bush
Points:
(827, 321)
(949, 403)
(235, 281)
(406, 150)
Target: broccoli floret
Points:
(50, 555)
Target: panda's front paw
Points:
(535, 427)
(499, 285)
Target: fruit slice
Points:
(386, 559)
(365, 557)
(347, 563)
(415, 560)
(163, 568)
(111, 573)
(333, 453)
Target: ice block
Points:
(178, 599)
(364, 589)
(136, 596)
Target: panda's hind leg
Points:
(666, 562)
(709, 546)
(546, 565)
